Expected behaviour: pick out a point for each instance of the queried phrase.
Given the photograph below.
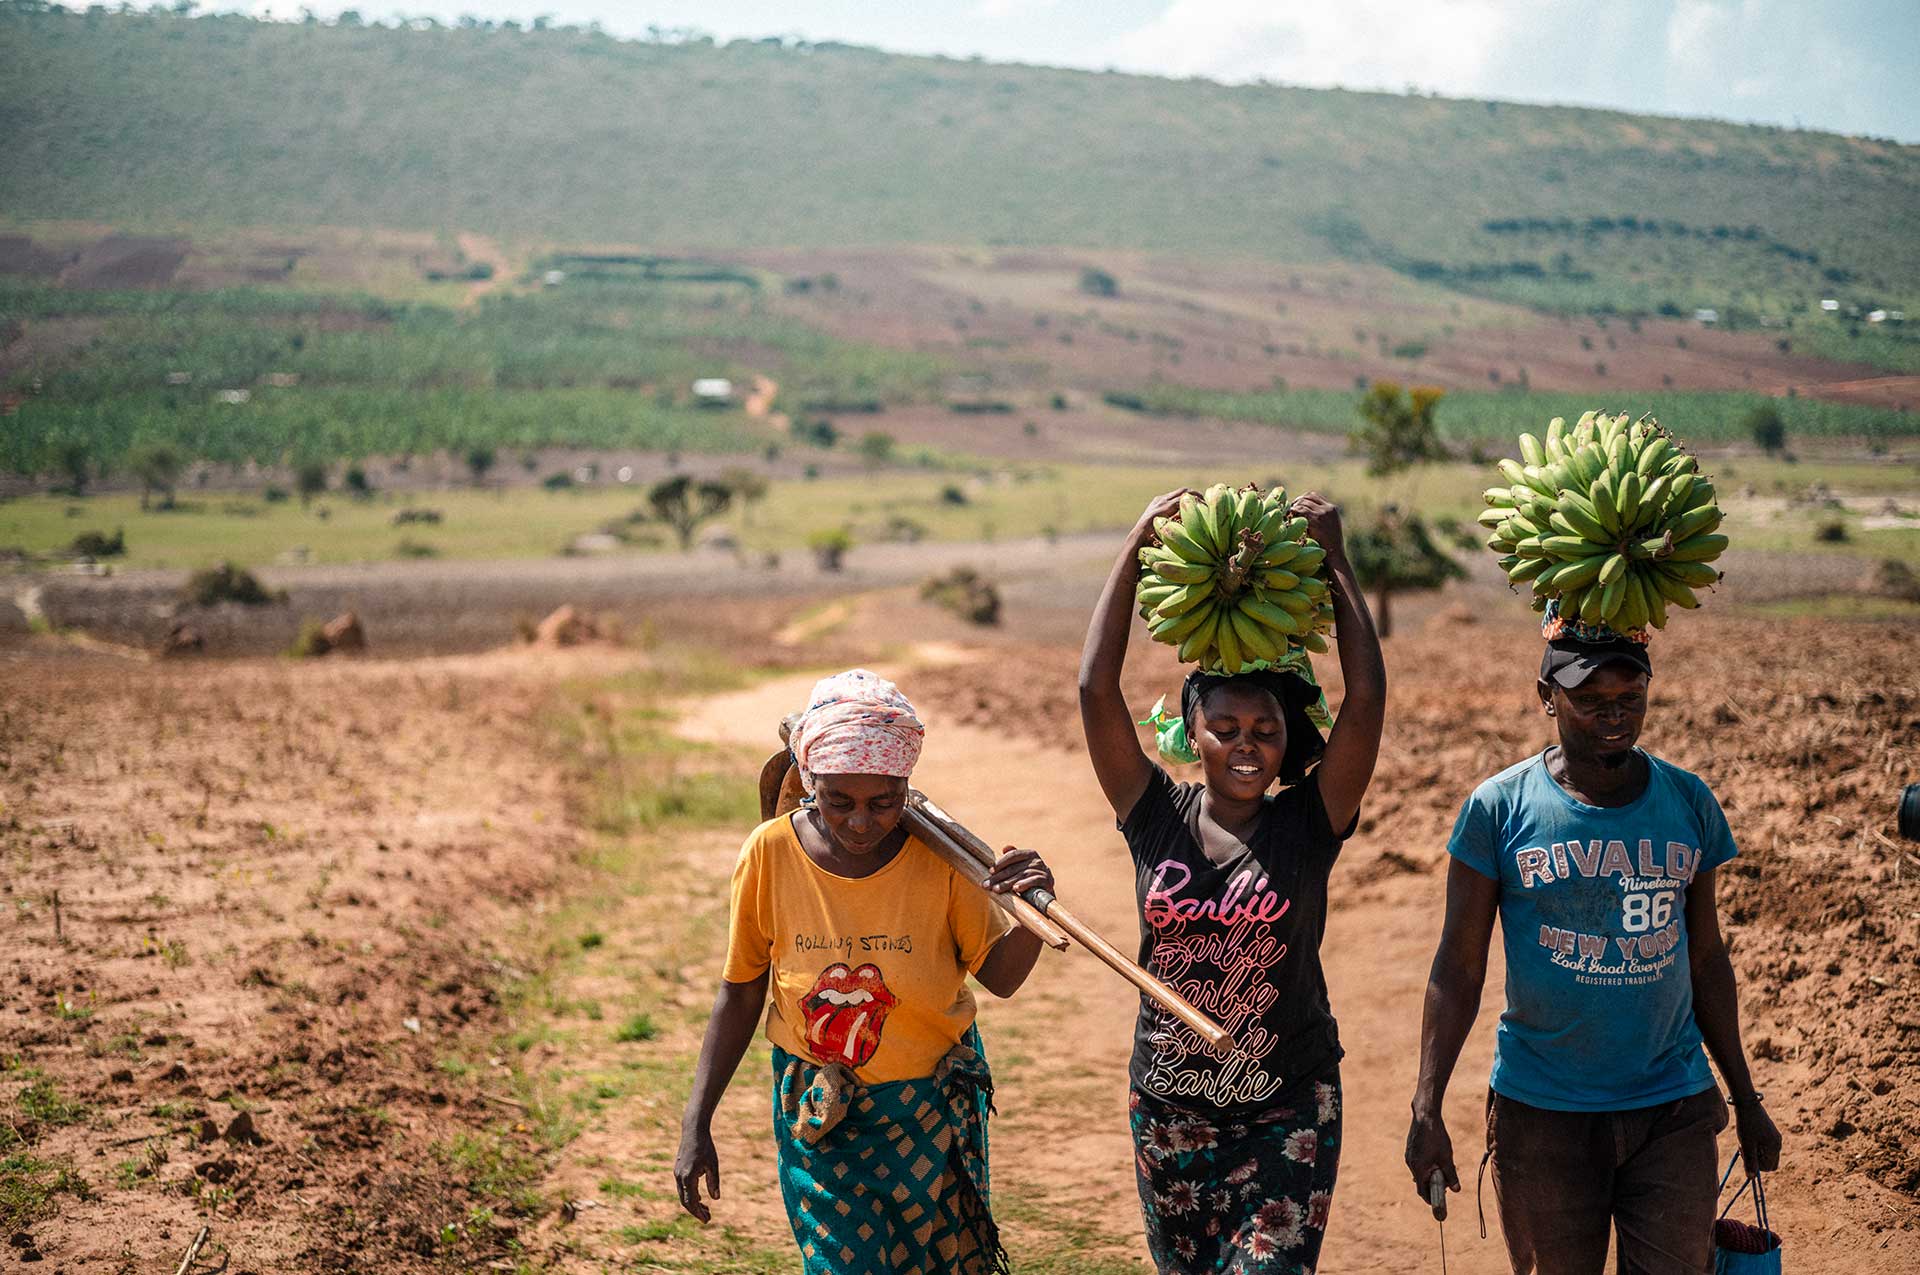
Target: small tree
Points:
(1396, 429)
(1398, 552)
(684, 504)
(75, 458)
(748, 490)
(1768, 428)
(479, 461)
(158, 466)
(310, 480)
(876, 448)
(1096, 282)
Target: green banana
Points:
(1701, 548)
(1273, 616)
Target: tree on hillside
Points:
(310, 480)
(1396, 429)
(158, 466)
(75, 458)
(876, 448)
(1096, 282)
(684, 504)
(1768, 428)
(1395, 551)
(748, 489)
(479, 461)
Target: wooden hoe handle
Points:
(1037, 910)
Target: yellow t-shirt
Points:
(869, 971)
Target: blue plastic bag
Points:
(1740, 1249)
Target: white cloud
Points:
(1357, 43)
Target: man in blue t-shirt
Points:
(1599, 860)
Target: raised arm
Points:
(1119, 764)
(1453, 1000)
(1354, 745)
(1716, 1008)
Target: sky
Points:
(1845, 66)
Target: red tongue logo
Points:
(845, 1012)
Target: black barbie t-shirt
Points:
(1241, 940)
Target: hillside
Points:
(571, 136)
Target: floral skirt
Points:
(1245, 1194)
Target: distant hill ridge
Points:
(573, 136)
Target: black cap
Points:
(1569, 661)
(1910, 813)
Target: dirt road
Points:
(1061, 1046)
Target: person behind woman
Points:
(1236, 1147)
(880, 1087)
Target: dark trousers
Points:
(1565, 1179)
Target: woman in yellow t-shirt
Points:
(866, 938)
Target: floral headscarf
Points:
(856, 723)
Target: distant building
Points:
(1829, 304)
(713, 391)
(554, 278)
(1704, 315)
(1877, 316)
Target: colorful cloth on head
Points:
(1555, 626)
(888, 1179)
(856, 723)
(1170, 736)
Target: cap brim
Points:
(1581, 667)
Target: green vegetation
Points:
(237, 122)
(1706, 415)
(153, 380)
(529, 522)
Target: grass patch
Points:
(494, 1167)
(28, 1186)
(639, 1027)
(40, 1102)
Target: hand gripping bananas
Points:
(1234, 582)
(1608, 521)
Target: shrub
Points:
(1767, 428)
(952, 495)
(876, 448)
(310, 479)
(311, 643)
(355, 481)
(818, 432)
(426, 517)
(561, 481)
(228, 583)
(276, 495)
(965, 593)
(411, 548)
(1096, 282)
(830, 547)
(95, 544)
(1833, 531)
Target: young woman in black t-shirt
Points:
(1236, 1147)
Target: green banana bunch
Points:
(1234, 581)
(1609, 520)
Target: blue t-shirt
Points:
(1593, 900)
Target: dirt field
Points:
(1242, 325)
(381, 910)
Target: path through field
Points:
(1060, 1047)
